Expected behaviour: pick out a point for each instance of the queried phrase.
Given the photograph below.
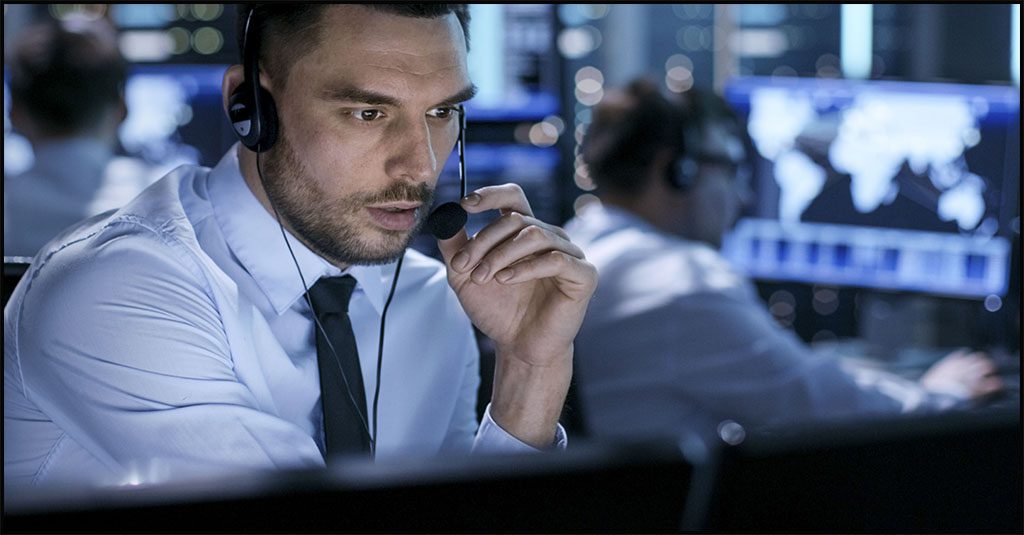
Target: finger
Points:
(506, 197)
(450, 247)
(988, 385)
(498, 231)
(982, 366)
(530, 241)
(578, 277)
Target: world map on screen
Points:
(871, 140)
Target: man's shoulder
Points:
(150, 234)
(639, 260)
(158, 211)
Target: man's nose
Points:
(414, 157)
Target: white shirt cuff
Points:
(491, 438)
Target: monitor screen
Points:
(879, 184)
(512, 62)
(175, 114)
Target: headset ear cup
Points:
(268, 118)
(682, 173)
(240, 113)
(257, 131)
(672, 175)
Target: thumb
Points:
(452, 245)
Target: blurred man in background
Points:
(67, 98)
(674, 338)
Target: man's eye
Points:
(369, 115)
(444, 113)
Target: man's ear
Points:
(122, 109)
(22, 123)
(17, 117)
(233, 77)
(660, 169)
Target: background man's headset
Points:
(698, 127)
(253, 116)
(683, 171)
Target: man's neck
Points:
(652, 207)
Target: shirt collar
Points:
(607, 218)
(85, 148)
(254, 236)
(89, 154)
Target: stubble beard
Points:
(337, 229)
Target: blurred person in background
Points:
(675, 339)
(67, 82)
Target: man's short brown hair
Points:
(628, 129)
(65, 75)
(290, 29)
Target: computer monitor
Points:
(15, 268)
(512, 62)
(955, 472)
(879, 184)
(175, 114)
(637, 487)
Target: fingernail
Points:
(480, 273)
(504, 275)
(459, 261)
(472, 199)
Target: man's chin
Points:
(388, 249)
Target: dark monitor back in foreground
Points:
(636, 488)
(880, 184)
(14, 268)
(952, 473)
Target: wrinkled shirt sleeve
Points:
(129, 357)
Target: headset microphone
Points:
(446, 220)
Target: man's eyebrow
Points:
(355, 94)
(365, 96)
(462, 96)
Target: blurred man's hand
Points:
(968, 375)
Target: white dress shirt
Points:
(171, 339)
(675, 339)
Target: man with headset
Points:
(67, 82)
(675, 340)
(176, 337)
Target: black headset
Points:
(683, 171)
(251, 108)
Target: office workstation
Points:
(789, 286)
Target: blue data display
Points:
(894, 185)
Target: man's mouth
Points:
(399, 216)
(397, 206)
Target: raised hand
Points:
(526, 286)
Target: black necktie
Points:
(345, 430)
